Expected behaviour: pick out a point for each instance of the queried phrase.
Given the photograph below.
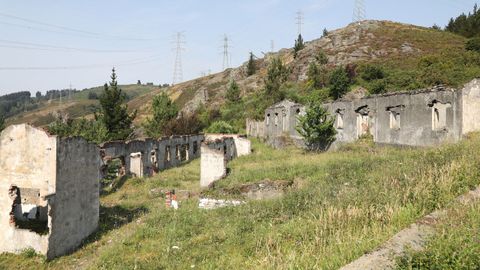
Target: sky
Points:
(55, 44)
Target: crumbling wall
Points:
(400, 118)
(255, 129)
(156, 155)
(243, 146)
(471, 107)
(28, 162)
(213, 162)
(75, 212)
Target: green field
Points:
(341, 205)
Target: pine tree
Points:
(251, 68)
(277, 74)
(299, 45)
(325, 32)
(163, 110)
(114, 113)
(233, 92)
(2, 123)
(316, 127)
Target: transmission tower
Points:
(299, 22)
(272, 46)
(226, 53)
(359, 13)
(179, 48)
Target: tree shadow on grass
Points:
(112, 218)
(115, 185)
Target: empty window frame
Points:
(276, 119)
(339, 118)
(167, 153)
(27, 212)
(395, 116)
(268, 119)
(439, 115)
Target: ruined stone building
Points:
(146, 157)
(216, 152)
(49, 191)
(416, 118)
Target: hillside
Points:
(398, 48)
(78, 105)
(334, 208)
(412, 57)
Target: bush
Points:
(316, 127)
(473, 44)
(163, 110)
(183, 125)
(371, 72)
(339, 83)
(221, 127)
(378, 87)
(92, 95)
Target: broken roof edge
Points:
(27, 125)
(145, 139)
(436, 88)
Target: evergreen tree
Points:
(339, 83)
(466, 25)
(299, 45)
(277, 74)
(38, 95)
(2, 123)
(114, 113)
(233, 92)
(251, 68)
(325, 32)
(163, 110)
(317, 76)
(316, 127)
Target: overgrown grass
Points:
(344, 204)
(456, 245)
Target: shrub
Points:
(339, 83)
(473, 44)
(371, 72)
(221, 127)
(378, 87)
(316, 127)
(163, 110)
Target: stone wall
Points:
(156, 155)
(75, 211)
(49, 191)
(27, 161)
(416, 118)
(243, 146)
(215, 153)
(255, 129)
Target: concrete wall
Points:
(400, 118)
(215, 153)
(471, 107)
(243, 146)
(27, 160)
(416, 118)
(154, 152)
(75, 211)
(255, 129)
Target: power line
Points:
(178, 69)
(84, 33)
(23, 45)
(299, 20)
(226, 53)
(359, 13)
(123, 63)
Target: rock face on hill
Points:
(358, 42)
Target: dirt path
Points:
(414, 237)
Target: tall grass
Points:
(344, 204)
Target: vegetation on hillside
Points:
(163, 111)
(467, 25)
